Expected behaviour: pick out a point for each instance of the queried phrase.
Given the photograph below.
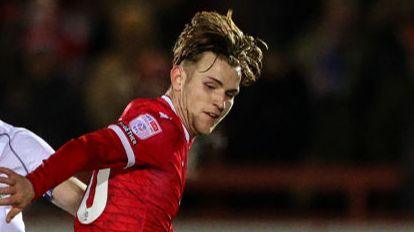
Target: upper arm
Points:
(147, 139)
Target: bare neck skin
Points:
(177, 101)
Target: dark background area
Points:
(337, 91)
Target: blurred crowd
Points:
(337, 86)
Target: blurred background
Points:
(324, 141)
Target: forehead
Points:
(215, 66)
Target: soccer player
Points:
(22, 151)
(140, 161)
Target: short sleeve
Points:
(31, 149)
(147, 139)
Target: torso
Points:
(146, 196)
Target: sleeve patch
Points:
(128, 133)
(145, 126)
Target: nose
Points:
(219, 102)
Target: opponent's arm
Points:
(68, 195)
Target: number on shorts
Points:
(87, 215)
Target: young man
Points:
(140, 161)
(22, 151)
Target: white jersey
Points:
(22, 151)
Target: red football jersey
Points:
(140, 167)
(145, 194)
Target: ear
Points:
(177, 76)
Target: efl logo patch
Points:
(145, 126)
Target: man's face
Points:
(208, 92)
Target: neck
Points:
(179, 110)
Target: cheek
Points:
(199, 98)
(194, 101)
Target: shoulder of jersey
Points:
(151, 106)
(151, 118)
(6, 128)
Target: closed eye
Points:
(210, 85)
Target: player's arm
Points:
(113, 147)
(96, 150)
(68, 195)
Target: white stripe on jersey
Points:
(127, 146)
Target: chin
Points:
(205, 131)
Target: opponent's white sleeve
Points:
(22, 151)
(31, 149)
(16, 225)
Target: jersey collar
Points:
(168, 100)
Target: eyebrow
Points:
(221, 84)
(215, 80)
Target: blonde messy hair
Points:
(210, 31)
